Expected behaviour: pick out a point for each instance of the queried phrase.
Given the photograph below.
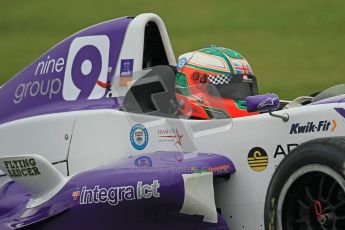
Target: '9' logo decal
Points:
(86, 68)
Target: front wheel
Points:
(307, 191)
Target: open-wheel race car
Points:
(92, 137)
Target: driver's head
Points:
(214, 83)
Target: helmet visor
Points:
(235, 86)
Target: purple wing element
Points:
(262, 103)
(141, 192)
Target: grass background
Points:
(295, 47)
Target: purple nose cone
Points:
(262, 103)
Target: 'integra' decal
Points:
(114, 195)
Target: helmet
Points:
(213, 83)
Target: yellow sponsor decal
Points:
(257, 159)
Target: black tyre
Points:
(307, 190)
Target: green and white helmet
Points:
(215, 79)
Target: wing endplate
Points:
(36, 174)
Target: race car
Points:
(92, 137)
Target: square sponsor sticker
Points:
(126, 68)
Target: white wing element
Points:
(36, 174)
(199, 196)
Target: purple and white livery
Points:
(92, 138)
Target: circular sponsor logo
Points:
(257, 159)
(139, 136)
(181, 63)
(143, 162)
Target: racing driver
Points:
(213, 83)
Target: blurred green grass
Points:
(295, 47)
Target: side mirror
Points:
(263, 103)
(266, 103)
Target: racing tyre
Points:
(307, 190)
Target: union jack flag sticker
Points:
(76, 194)
(240, 66)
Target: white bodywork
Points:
(102, 136)
(132, 46)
